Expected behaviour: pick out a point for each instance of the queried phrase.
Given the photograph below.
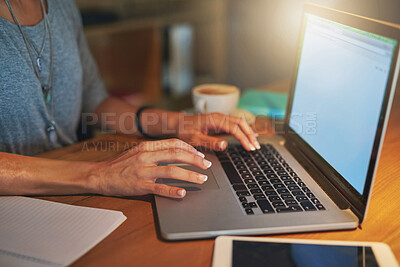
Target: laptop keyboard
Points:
(262, 179)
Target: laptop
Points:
(318, 174)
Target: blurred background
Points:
(155, 51)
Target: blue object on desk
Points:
(264, 103)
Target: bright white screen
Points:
(340, 86)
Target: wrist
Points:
(93, 177)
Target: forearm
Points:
(21, 175)
(119, 116)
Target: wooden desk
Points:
(135, 242)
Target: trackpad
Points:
(209, 184)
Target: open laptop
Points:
(318, 174)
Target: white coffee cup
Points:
(208, 98)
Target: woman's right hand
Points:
(135, 171)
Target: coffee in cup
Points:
(208, 98)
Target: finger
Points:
(173, 155)
(221, 122)
(167, 144)
(168, 191)
(237, 132)
(212, 142)
(175, 172)
(248, 131)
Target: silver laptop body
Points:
(215, 208)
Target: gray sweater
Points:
(77, 86)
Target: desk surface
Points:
(136, 243)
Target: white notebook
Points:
(36, 232)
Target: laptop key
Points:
(275, 181)
(315, 201)
(282, 173)
(310, 195)
(320, 206)
(282, 191)
(293, 187)
(242, 199)
(301, 184)
(307, 206)
(253, 186)
(297, 193)
(242, 193)
(238, 187)
(259, 196)
(267, 187)
(286, 178)
(289, 182)
(306, 189)
(246, 176)
(260, 178)
(286, 196)
(274, 198)
(289, 209)
(290, 202)
(230, 171)
(271, 176)
(245, 205)
(256, 191)
(265, 206)
(248, 160)
(278, 204)
(253, 205)
(270, 192)
(257, 173)
(297, 179)
(263, 182)
(301, 198)
(249, 211)
(249, 181)
(278, 186)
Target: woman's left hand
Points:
(194, 129)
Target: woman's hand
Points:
(194, 129)
(190, 128)
(135, 171)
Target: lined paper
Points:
(36, 232)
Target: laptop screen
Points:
(340, 86)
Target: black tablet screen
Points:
(251, 254)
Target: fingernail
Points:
(221, 145)
(203, 178)
(207, 163)
(181, 192)
(252, 148)
(257, 144)
(256, 134)
(200, 154)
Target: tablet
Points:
(257, 251)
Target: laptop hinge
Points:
(319, 177)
